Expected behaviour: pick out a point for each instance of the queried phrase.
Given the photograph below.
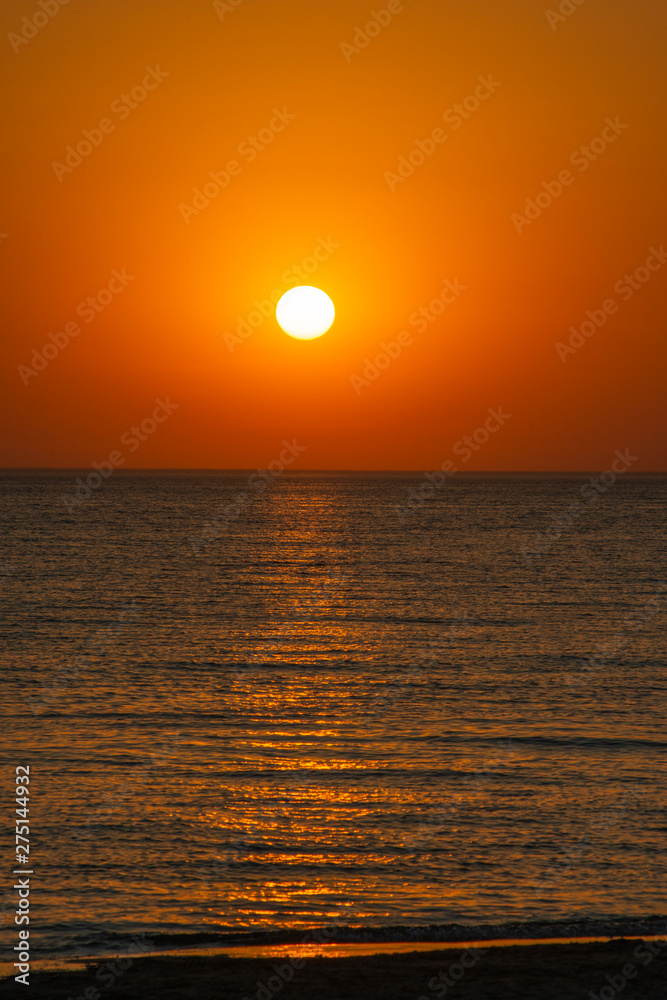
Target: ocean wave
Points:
(113, 942)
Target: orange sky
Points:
(333, 123)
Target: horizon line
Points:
(300, 472)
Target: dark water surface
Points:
(328, 708)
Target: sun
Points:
(305, 312)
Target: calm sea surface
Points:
(317, 705)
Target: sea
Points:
(384, 706)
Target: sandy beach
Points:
(593, 971)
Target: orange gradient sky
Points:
(333, 124)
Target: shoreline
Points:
(337, 951)
(497, 971)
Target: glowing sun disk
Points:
(305, 312)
